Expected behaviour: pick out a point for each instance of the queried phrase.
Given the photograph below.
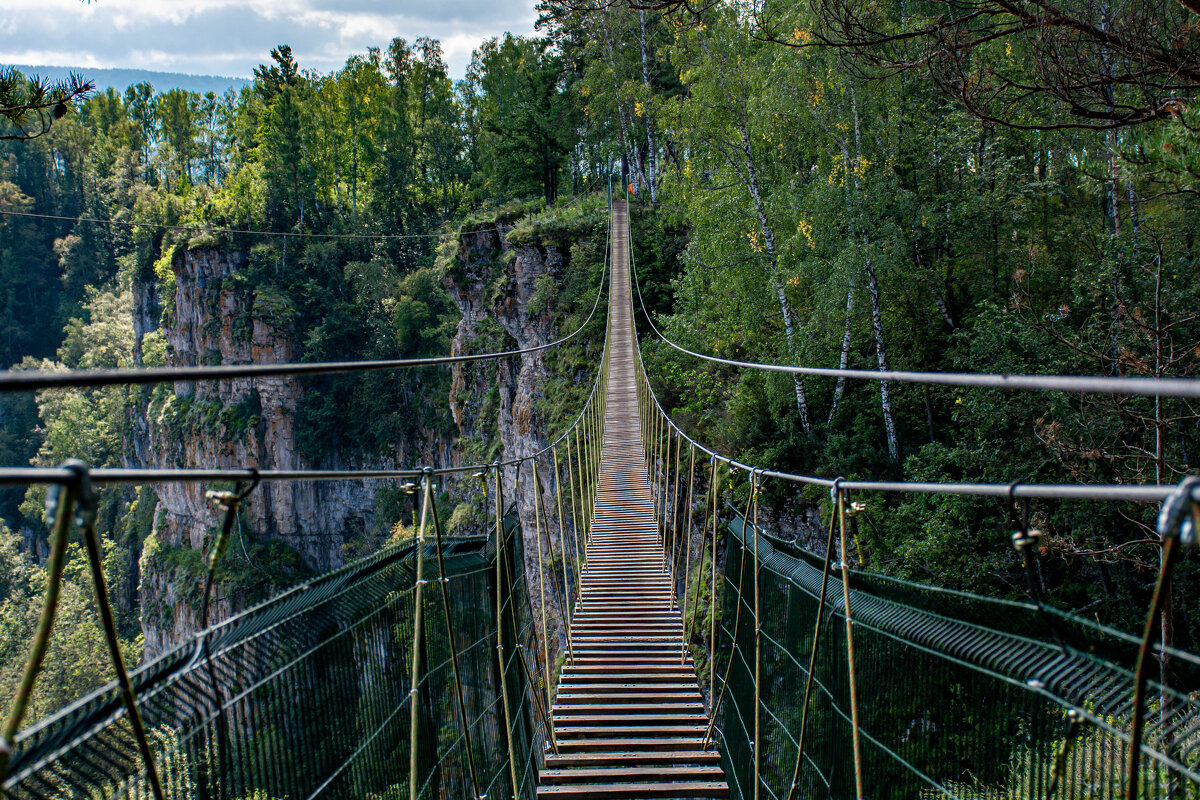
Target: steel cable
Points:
(34, 380)
(1115, 492)
(10, 476)
(443, 581)
(737, 617)
(812, 658)
(162, 226)
(60, 508)
(1083, 384)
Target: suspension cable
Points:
(816, 643)
(712, 588)
(737, 621)
(163, 226)
(1083, 384)
(758, 700)
(10, 476)
(502, 542)
(452, 641)
(418, 639)
(1061, 491)
(563, 551)
(32, 380)
(60, 512)
(541, 570)
(518, 647)
(1115, 492)
(231, 501)
(851, 668)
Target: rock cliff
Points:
(230, 424)
(214, 316)
(495, 280)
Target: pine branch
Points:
(33, 104)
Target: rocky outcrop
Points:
(214, 316)
(496, 281)
(231, 424)
(500, 289)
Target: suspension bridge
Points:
(702, 656)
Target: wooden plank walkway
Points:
(628, 715)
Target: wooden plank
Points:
(626, 758)
(626, 772)
(629, 718)
(627, 791)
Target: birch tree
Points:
(717, 120)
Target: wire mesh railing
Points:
(923, 692)
(957, 695)
(381, 679)
(314, 693)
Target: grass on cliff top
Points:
(562, 224)
(530, 220)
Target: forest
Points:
(832, 183)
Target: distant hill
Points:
(120, 78)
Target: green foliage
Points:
(30, 105)
(781, 189)
(524, 124)
(466, 516)
(77, 660)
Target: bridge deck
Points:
(628, 717)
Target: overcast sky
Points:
(231, 37)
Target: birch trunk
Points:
(623, 125)
(650, 150)
(1112, 188)
(840, 386)
(768, 234)
(942, 308)
(885, 397)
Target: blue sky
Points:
(231, 37)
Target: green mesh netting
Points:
(959, 695)
(308, 695)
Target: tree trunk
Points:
(942, 308)
(354, 173)
(768, 233)
(929, 416)
(1112, 189)
(885, 398)
(621, 121)
(650, 152)
(840, 386)
(337, 175)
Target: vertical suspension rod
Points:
(500, 544)
(418, 640)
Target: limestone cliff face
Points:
(216, 317)
(229, 424)
(495, 280)
(502, 290)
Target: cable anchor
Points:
(231, 501)
(1179, 517)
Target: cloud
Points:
(233, 36)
